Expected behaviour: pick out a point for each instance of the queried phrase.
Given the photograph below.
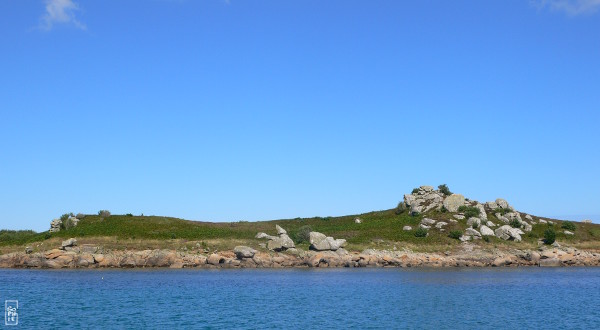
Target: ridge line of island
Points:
(428, 228)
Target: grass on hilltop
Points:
(378, 229)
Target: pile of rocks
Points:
(320, 242)
(281, 242)
(424, 199)
(507, 232)
(56, 224)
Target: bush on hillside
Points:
(67, 224)
(414, 191)
(456, 234)
(568, 225)
(104, 213)
(502, 211)
(421, 232)
(302, 234)
(549, 236)
(65, 216)
(400, 208)
(515, 223)
(469, 211)
(443, 188)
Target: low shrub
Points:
(502, 211)
(130, 215)
(549, 236)
(67, 224)
(568, 225)
(469, 211)
(443, 209)
(515, 223)
(443, 188)
(65, 216)
(421, 232)
(456, 234)
(302, 234)
(486, 239)
(104, 213)
(414, 191)
(400, 208)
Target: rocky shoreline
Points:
(245, 257)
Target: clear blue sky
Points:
(253, 110)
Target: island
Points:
(428, 228)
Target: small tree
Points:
(443, 188)
(67, 224)
(303, 234)
(104, 213)
(65, 217)
(549, 236)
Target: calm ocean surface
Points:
(300, 299)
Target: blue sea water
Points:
(523, 298)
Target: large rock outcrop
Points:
(507, 232)
(320, 242)
(424, 199)
(281, 242)
(242, 252)
(453, 202)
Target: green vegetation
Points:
(421, 232)
(549, 236)
(400, 208)
(65, 216)
(456, 234)
(502, 211)
(380, 229)
(302, 235)
(18, 236)
(469, 211)
(568, 225)
(443, 188)
(104, 213)
(67, 224)
(415, 190)
(515, 223)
